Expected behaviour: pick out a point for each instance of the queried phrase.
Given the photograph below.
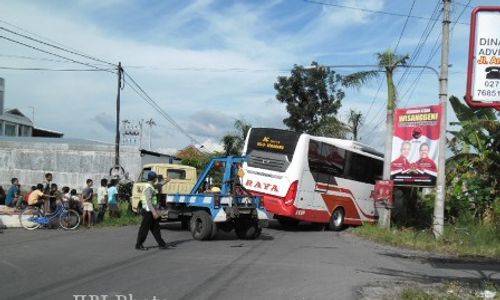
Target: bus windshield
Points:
(271, 149)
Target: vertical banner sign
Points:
(415, 146)
(483, 74)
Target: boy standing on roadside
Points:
(88, 206)
(102, 199)
(113, 199)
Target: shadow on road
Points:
(477, 270)
(221, 235)
(399, 274)
(301, 227)
(173, 244)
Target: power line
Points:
(433, 53)
(370, 10)
(35, 34)
(32, 58)
(51, 53)
(461, 13)
(144, 95)
(374, 98)
(413, 85)
(54, 46)
(395, 50)
(39, 58)
(463, 4)
(423, 39)
(404, 26)
(214, 70)
(55, 70)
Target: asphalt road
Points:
(299, 264)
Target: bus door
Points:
(325, 166)
(305, 198)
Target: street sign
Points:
(483, 74)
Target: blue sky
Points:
(207, 62)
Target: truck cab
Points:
(183, 179)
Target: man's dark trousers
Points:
(149, 223)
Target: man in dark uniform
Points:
(150, 216)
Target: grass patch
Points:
(127, 217)
(474, 240)
(421, 294)
(450, 291)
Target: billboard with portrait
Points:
(415, 146)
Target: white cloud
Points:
(188, 50)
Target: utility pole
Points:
(438, 223)
(140, 133)
(151, 123)
(117, 137)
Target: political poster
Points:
(415, 146)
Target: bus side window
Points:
(325, 162)
(363, 168)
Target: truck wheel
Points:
(247, 230)
(337, 219)
(201, 225)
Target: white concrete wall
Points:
(70, 164)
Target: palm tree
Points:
(230, 144)
(354, 121)
(332, 127)
(390, 61)
(233, 142)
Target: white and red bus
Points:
(314, 179)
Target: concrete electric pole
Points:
(438, 223)
(151, 123)
(117, 136)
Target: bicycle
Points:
(32, 218)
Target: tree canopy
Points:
(233, 142)
(313, 96)
(310, 95)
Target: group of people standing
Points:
(48, 197)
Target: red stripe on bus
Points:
(350, 209)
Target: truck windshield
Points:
(144, 175)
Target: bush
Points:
(127, 217)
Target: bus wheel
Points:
(201, 225)
(287, 222)
(247, 230)
(337, 220)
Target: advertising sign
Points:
(415, 146)
(383, 195)
(483, 75)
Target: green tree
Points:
(313, 97)
(354, 122)
(234, 142)
(330, 126)
(310, 95)
(473, 171)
